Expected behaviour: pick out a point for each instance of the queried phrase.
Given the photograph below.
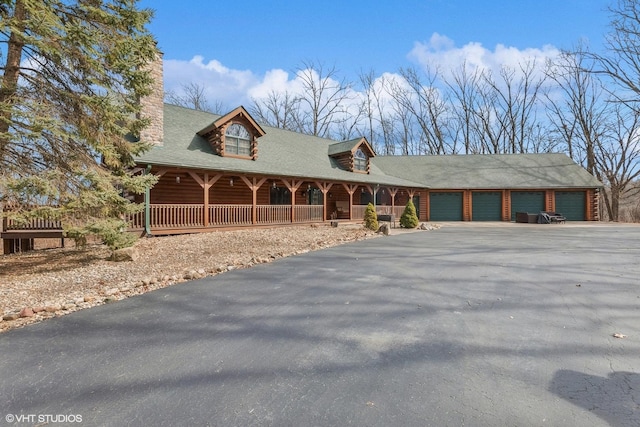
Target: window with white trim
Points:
(237, 140)
(360, 160)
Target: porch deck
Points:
(165, 219)
(194, 218)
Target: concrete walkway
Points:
(471, 324)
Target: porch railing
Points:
(176, 216)
(135, 221)
(230, 215)
(273, 214)
(358, 212)
(308, 213)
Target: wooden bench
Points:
(342, 209)
(20, 238)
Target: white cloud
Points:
(440, 52)
(221, 83)
(276, 80)
(233, 87)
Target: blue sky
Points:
(242, 49)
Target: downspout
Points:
(147, 207)
(375, 194)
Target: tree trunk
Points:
(615, 204)
(9, 83)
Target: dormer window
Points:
(360, 160)
(237, 140)
(235, 135)
(352, 155)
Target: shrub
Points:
(371, 218)
(409, 219)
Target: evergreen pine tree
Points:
(371, 218)
(409, 218)
(73, 73)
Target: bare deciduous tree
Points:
(618, 158)
(622, 61)
(278, 109)
(516, 96)
(428, 108)
(577, 108)
(193, 96)
(377, 113)
(323, 99)
(466, 101)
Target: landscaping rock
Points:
(126, 254)
(384, 229)
(26, 312)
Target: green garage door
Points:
(571, 204)
(486, 205)
(445, 206)
(526, 201)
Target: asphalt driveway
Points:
(474, 325)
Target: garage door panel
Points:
(571, 204)
(486, 205)
(445, 206)
(526, 201)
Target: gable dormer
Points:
(353, 155)
(234, 135)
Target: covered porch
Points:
(187, 201)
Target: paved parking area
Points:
(471, 324)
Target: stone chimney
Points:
(153, 105)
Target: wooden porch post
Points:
(206, 184)
(393, 191)
(293, 187)
(147, 201)
(324, 187)
(351, 188)
(254, 185)
(372, 190)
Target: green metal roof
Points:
(490, 171)
(283, 153)
(343, 147)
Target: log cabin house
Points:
(221, 171)
(230, 171)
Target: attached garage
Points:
(493, 187)
(526, 201)
(445, 206)
(486, 206)
(571, 204)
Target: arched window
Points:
(237, 140)
(360, 161)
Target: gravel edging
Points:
(39, 285)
